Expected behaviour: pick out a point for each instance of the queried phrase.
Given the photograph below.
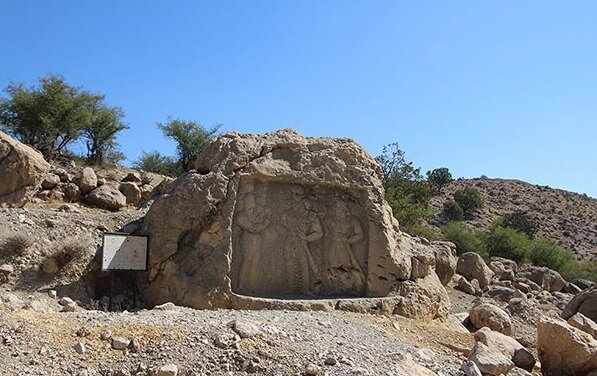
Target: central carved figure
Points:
(293, 241)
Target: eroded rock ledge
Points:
(272, 219)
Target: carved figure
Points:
(303, 227)
(344, 272)
(252, 220)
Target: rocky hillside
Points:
(567, 217)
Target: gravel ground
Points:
(41, 341)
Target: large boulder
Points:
(106, 197)
(491, 316)
(87, 180)
(585, 303)
(22, 169)
(472, 266)
(445, 260)
(131, 191)
(565, 350)
(283, 217)
(548, 279)
(495, 353)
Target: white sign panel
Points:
(124, 252)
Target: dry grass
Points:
(14, 246)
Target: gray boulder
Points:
(87, 180)
(584, 302)
(548, 279)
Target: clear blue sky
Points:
(502, 88)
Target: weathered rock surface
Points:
(585, 303)
(22, 169)
(281, 216)
(491, 316)
(107, 197)
(565, 350)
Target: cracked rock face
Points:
(281, 217)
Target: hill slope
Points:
(567, 217)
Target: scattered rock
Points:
(582, 322)
(120, 343)
(52, 294)
(585, 303)
(133, 177)
(491, 316)
(489, 361)
(168, 370)
(22, 170)
(507, 347)
(79, 347)
(445, 261)
(565, 350)
(6, 269)
(50, 181)
(472, 266)
(169, 306)
(330, 361)
(88, 180)
(131, 191)
(244, 328)
(470, 368)
(548, 279)
(311, 369)
(107, 197)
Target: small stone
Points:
(330, 361)
(168, 370)
(83, 332)
(311, 369)
(79, 347)
(66, 301)
(106, 336)
(120, 343)
(50, 266)
(135, 345)
(244, 328)
(53, 294)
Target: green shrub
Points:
(507, 242)
(469, 199)
(425, 231)
(579, 269)
(546, 252)
(521, 221)
(453, 211)
(466, 240)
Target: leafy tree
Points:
(407, 192)
(100, 133)
(157, 163)
(521, 221)
(48, 117)
(439, 177)
(469, 199)
(453, 211)
(191, 138)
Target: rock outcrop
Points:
(22, 170)
(275, 218)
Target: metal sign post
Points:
(123, 253)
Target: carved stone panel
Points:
(292, 241)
